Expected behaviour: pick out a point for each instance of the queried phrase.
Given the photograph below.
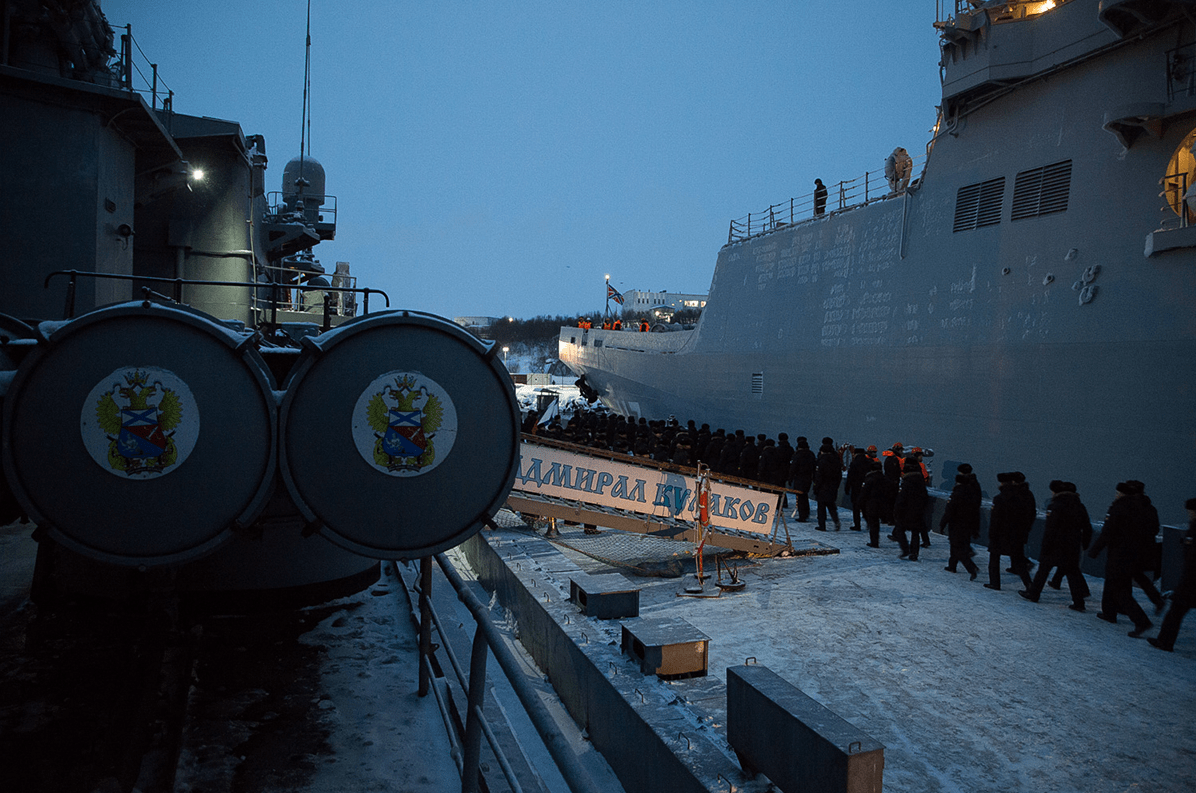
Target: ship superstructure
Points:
(1024, 303)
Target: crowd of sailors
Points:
(892, 488)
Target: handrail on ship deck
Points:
(847, 194)
(178, 284)
(1006, 11)
(487, 638)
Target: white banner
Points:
(596, 480)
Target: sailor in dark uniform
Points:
(861, 464)
(961, 519)
(909, 513)
(1120, 536)
(819, 197)
(1184, 596)
(801, 476)
(1004, 533)
(827, 475)
(1067, 533)
(873, 500)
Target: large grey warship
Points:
(1025, 301)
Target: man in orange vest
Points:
(644, 327)
(618, 324)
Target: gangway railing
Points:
(846, 194)
(566, 481)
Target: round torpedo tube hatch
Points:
(140, 434)
(399, 434)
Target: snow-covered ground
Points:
(968, 689)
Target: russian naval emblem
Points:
(404, 424)
(140, 422)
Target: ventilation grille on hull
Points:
(1041, 191)
(757, 382)
(978, 205)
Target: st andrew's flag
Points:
(613, 294)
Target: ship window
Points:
(757, 382)
(978, 205)
(1041, 191)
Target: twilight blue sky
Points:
(498, 158)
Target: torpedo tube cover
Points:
(140, 434)
(400, 434)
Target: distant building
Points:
(476, 323)
(637, 301)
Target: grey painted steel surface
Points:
(798, 743)
(605, 597)
(129, 518)
(625, 717)
(880, 323)
(666, 647)
(397, 362)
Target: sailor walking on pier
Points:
(826, 483)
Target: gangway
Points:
(577, 483)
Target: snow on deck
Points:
(968, 689)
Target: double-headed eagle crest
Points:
(404, 430)
(140, 435)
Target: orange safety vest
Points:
(644, 327)
(618, 324)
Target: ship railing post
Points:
(842, 197)
(472, 745)
(425, 624)
(790, 210)
(68, 311)
(865, 187)
(154, 87)
(126, 51)
(749, 228)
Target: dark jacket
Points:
(778, 474)
(1120, 535)
(749, 459)
(961, 518)
(856, 472)
(873, 494)
(1024, 513)
(1003, 522)
(801, 470)
(827, 475)
(909, 511)
(1067, 532)
(893, 464)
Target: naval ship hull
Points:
(1046, 327)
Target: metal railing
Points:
(150, 83)
(177, 285)
(487, 640)
(1175, 209)
(1007, 11)
(277, 209)
(872, 186)
(1181, 72)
